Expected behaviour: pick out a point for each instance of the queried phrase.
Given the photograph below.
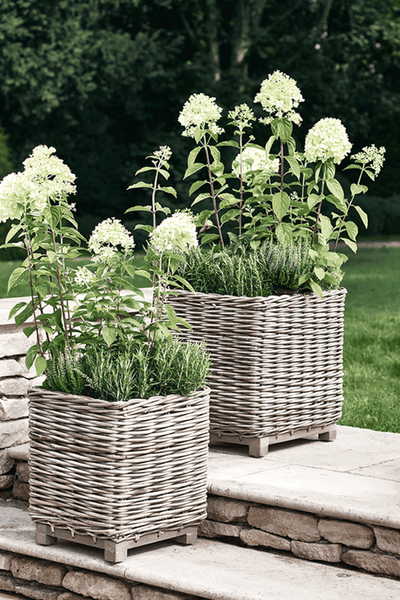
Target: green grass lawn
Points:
(372, 337)
(372, 340)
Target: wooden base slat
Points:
(113, 551)
(258, 447)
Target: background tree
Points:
(104, 80)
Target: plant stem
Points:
(214, 200)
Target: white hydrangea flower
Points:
(45, 177)
(83, 276)
(372, 156)
(106, 237)
(279, 96)
(254, 159)
(200, 111)
(242, 115)
(163, 154)
(177, 232)
(327, 139)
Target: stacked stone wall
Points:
(44, 580)
(305, 535)
(15, 381)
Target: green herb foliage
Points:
(239, 270)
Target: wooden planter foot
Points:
(258, 447)
(114, 551)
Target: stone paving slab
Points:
(209, 569)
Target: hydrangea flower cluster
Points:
(163, 154)
(254, 159)
(106, 237)
(177, 232)
(242, 115)
(83, 276)
(46, 177)
(200, 111)
(327, 139)
(279, 96)
(372, 156)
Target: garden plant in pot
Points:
(119, 429)
(268, 301)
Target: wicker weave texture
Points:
(276, 361)
(118, 470)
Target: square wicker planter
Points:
(118, 475)
(276, 364)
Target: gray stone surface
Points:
(143, 592)
(296, 525)
(6, 584)
(388, 540)
(10, 367)
(13, 408)
(14, 386)
(13, 433)
(5, 561)
(13, 342)
(96, 586)
(19, 452)
(22, 472)
(37, 570)
(350, 534)
(225, 510)
(211, 529)
(6, 481)
(6, 461)
(373, 562)
(21, 491)
(255, 537)
(331, 553)
(37, 593)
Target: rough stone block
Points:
(388, 540)
(7, 584)
(212, 529)
(28, 374)
(96, 586)
(285, 523)
(255, 537)
(373, 562)
(331, 553)
(5, 561)
(144, 592)
(6, 462)
(22, 471)
(13, 433)
(21, 491)
(13, 341)
(349, 534)
(37, 593)
(13, 408)
(41, 571)
(9, 367)
(71, 596)
(14, 386)
(226, 510)
(6, 481)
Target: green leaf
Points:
(352, 229)
(283, 233)
(282, 128)
(196, 185)
(294, 166)
(16, 277)
(29, 330)
(230, 215)
(216, 154)
(200, 198)
(358, 189)
(144, 170)
(22, 317)
(335, 188)
(193, 169)
(171, 314)
(138, 208)
(320, 273)
(202, 217)
(148, 228)
(193, 155)
(280, 204)
(109, 335)
(40, 365)
(227, 200)
(313, 200)
(31, 355)
(140, 184)
(269, 144)
(209, 237)
(316, 288)
(363, 215)
(228, 143)
(13, 231)
(16, 308)
(168, 190)
(350, 244)
(325, 226)
(339, 204)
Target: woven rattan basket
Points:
(117, 475)
(276, 363)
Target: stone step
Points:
(209, 569)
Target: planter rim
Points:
(271, 298)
